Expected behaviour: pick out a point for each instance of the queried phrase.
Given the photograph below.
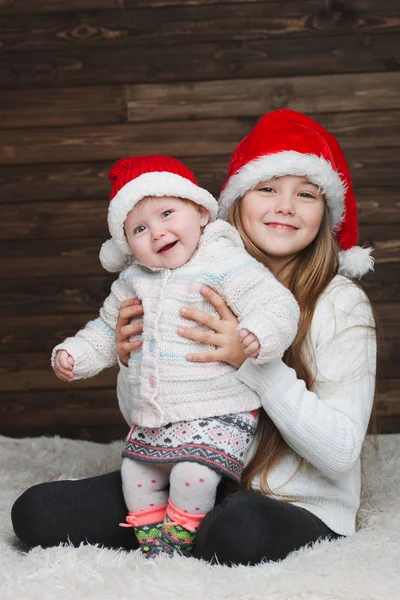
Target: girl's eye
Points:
(139, 229)
(267, 189)
(307, 195)
(166, 213)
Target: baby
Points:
(192, 423)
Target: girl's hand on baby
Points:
(124, 329)
(64, 366)
(222, 332)
(250, 343)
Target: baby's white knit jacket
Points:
(164, 386)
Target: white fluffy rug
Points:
(363, 567)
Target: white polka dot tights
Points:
(192, 486)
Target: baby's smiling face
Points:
(164, 231)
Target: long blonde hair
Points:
(313, 269)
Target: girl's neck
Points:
(282, 267)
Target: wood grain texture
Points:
(102, 434)
(14, 7)
(27, 182)
(32, 371)
(55, 295)
(49, 220)
(110, 142)
(254, 97)
(67, 106)
(388, 398)
(180, 24)
(377, 204)
(25, 334)
(384, 239)
(199, 100)
(389, 352)
(196, 138)
(384, 282)
(60, 408)
(50, 257)
(201, 61)
(27, 7)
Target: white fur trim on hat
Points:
(355, 262)
(158, 183)
(317, 169)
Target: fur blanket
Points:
(365, 566)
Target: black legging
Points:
(243, 528)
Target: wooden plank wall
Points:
(85, 82)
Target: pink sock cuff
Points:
(186, 520)
(155, 514)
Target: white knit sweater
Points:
(325, 426)
(164, 386)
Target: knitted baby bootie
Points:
(178, 533)
(147, 525)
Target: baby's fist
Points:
(250, 343)
(64, 366)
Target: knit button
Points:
(152, 345)
(152, 381)
(154, 307)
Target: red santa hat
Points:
(285, 142)
(132, 180)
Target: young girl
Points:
(289, 194)
(191, 423)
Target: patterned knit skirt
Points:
(219, 443)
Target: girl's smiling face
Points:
(282, 216)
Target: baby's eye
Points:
(166, 213)
(139, 229)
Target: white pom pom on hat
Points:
(356, 261)
(133, 179)
(285, 142)
(112, 258)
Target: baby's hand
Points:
(250, 343)
(64, 365)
